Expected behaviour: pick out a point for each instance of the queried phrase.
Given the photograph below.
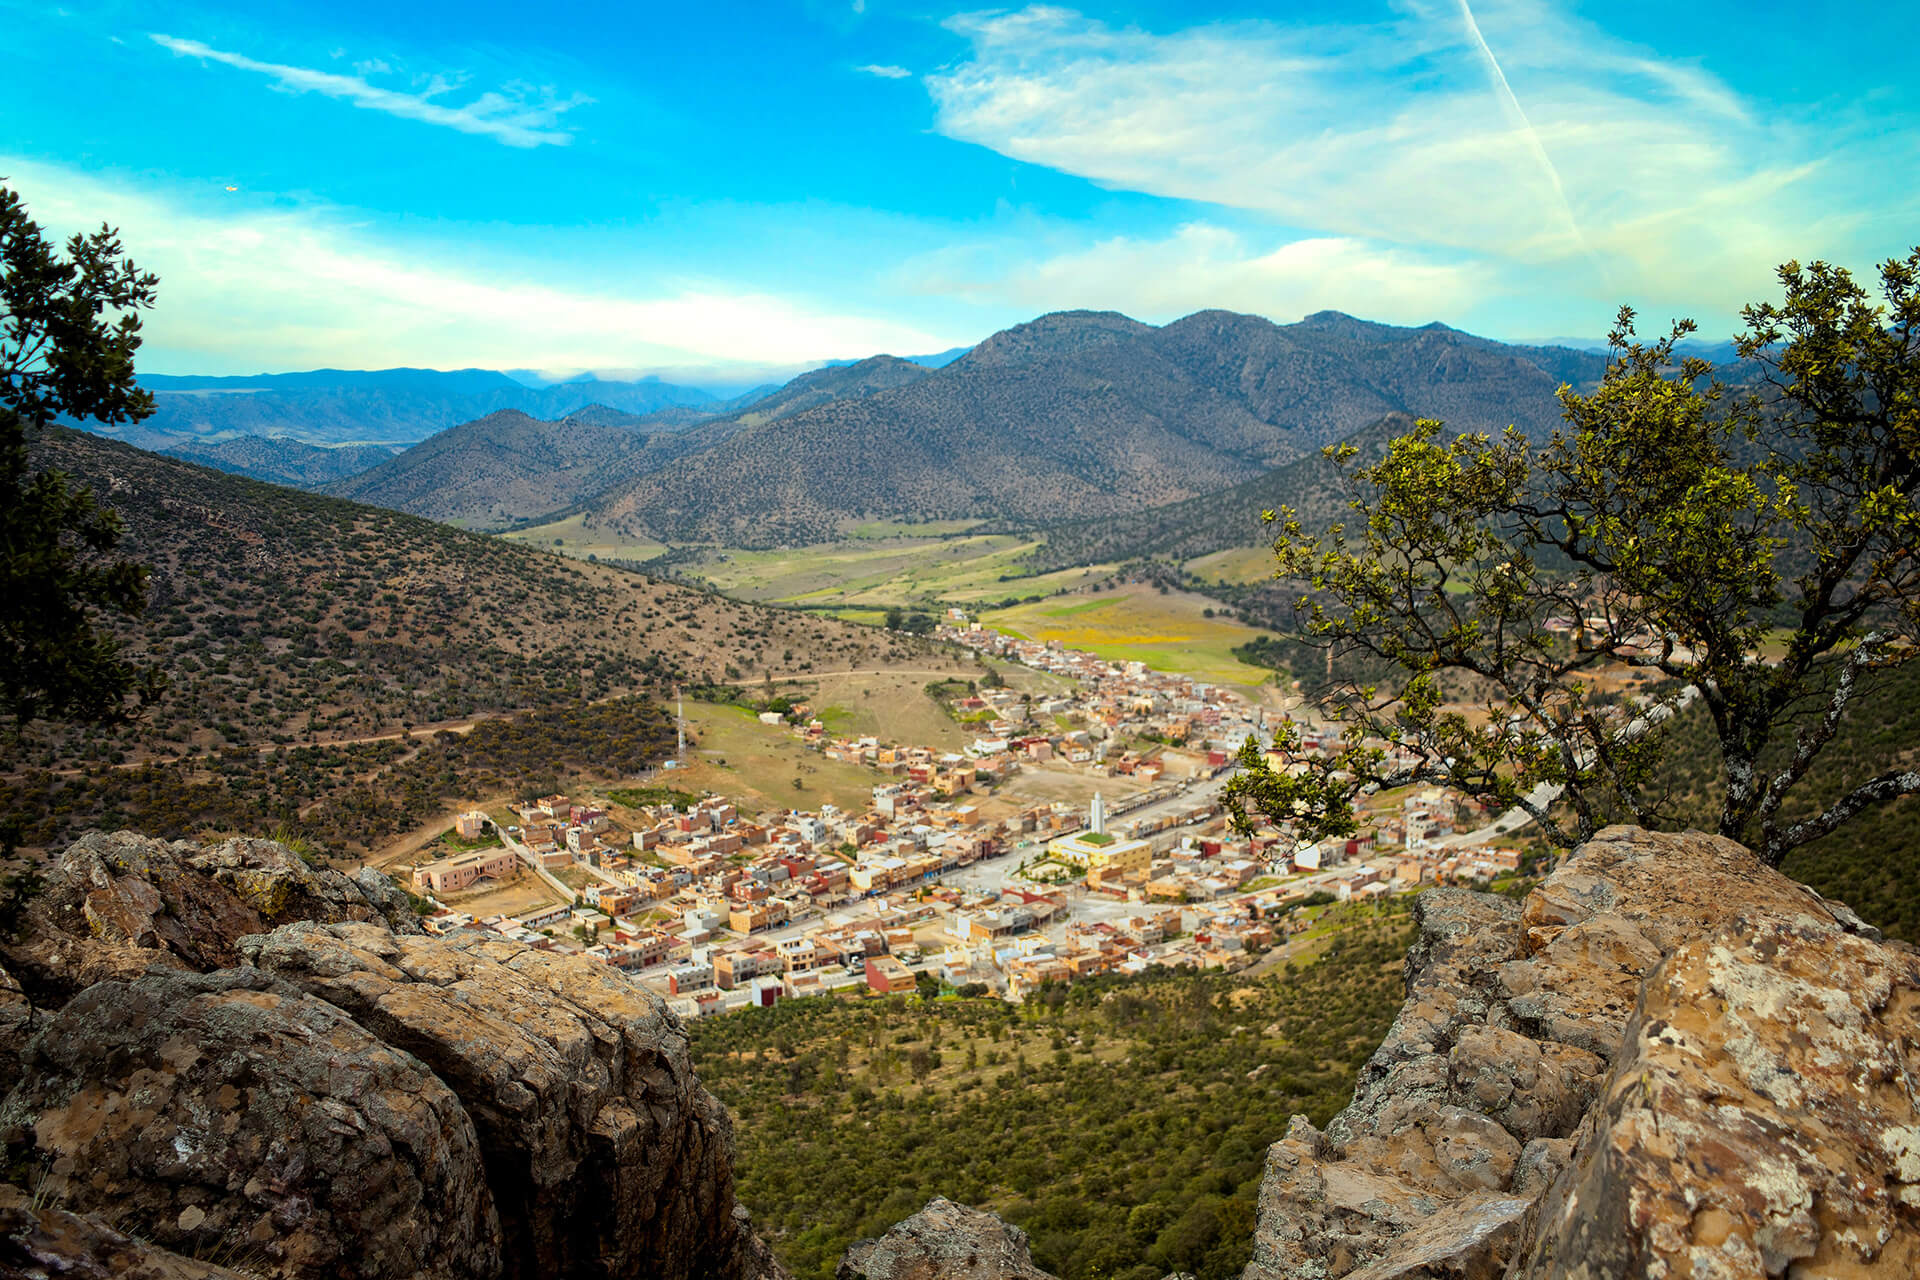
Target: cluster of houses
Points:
(701, 900)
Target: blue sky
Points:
(708, 190)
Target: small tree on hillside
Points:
(1758, 552)
(69, 326)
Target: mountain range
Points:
(1079, 421)
(1083, 415)
(283, 460)
(382, 406)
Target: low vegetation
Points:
(281, 618)
(1121, 1121)
(346, 798)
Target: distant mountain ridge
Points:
(283, 461)
(1073, 416)
(381, 406)
(510, 466)
(1081, 415)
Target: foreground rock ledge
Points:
(346, 1098)
(605, 1155)
(227, 1111)
(944, 1241)
(1669, 1061)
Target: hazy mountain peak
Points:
(1058, 333)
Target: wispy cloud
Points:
(1202, 265)
(508, 117)
(226, 279)
(1411, 133)
(885, 71)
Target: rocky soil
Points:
(221, 1060)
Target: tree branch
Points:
(1888, 786)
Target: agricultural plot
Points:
(1170, 632)
(571, 537)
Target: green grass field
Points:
(570, 537)
(1239, 565)
(1169, 632)
(871, 572)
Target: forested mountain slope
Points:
(508, 466)
(300, 634)
(1199, 526)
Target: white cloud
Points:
(269, 289)
(1203, 266)
(1397, 133)
(505, 117)
(885, 71)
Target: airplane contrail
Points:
(1519, 117)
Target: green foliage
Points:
(1666, 529)
(1262, 651)
(1122, 1121)
(914, 623)
(69, 327)
(1873, 863)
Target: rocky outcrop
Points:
(38, 1241)
(606, 1156)
(230, 1111)
(944, 1241)
(1763, 1114)
(1669, 1060)
(119, 904)
(16, 1022)
(342, 1095)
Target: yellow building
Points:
(1097, 851)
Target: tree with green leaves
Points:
(1755, 550)
(69, 327)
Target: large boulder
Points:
(606, 1156)
(1473, 1106)
(944, 1241)
(1763, 1116)
(229, 1114)
(119, 904)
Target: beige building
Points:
(450, 875)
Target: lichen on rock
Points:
(229, 1108)
(944, 1241)
(1669, 1060)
